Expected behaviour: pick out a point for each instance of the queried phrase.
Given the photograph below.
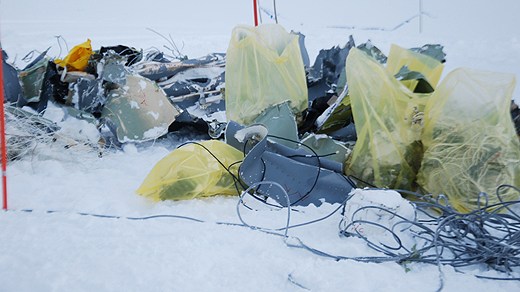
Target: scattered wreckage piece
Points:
(337, 116)
(196, 87)
(373, 52)
(138, 111)
(303, 49)
(131, 55)
(12, 88)
(161, 71)
(306, 177)
(280, 123)
(41, 81)
(333, 116)
(327, 85)
(326, 147)
(435, 51)
(329, 65)
(32, 78)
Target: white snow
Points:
(157, 131)
(154, 115)
(143, 84)
(134, 104)
(66, 251)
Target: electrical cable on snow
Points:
(456, 239)
(440, 247)
(436, 231)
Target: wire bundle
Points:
(444, 236)
(25, 131)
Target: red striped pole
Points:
(2, 132)
(255, 7)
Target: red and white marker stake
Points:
(255, 9)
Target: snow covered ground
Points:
(64, 250)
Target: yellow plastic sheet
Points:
(191, 172)
(430, 68)
(388, 121)
(77, 59)
(469, 139)
(264, 67)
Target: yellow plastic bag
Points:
(191, 172)
(469, 139)
(388, 120)
(77, 59)
(430, 68)
(264, 67)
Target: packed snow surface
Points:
(51, 239)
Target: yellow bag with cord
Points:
(469, 139)
(191, 172)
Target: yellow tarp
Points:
(191, 172)
(264, 67)
(77, 59)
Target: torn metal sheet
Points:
(80, 114)
(435, 51)
(131, 55)
(373, 52)
(280, 122)
(89, 95)
(112, 68)
(199, 93)
(41, 83)
(32, 80)
(323, 76)
(307, 179)
(326, 147)
(336, 116)
(53, 88)
(12, 89)
(193, 82)
(139, 111)
(345, 134)
(162, 71)
(74, 76)
(303, 49)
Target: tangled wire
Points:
(442, 235)
(435, 233)
(26, 132)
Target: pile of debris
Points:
(356, 117)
